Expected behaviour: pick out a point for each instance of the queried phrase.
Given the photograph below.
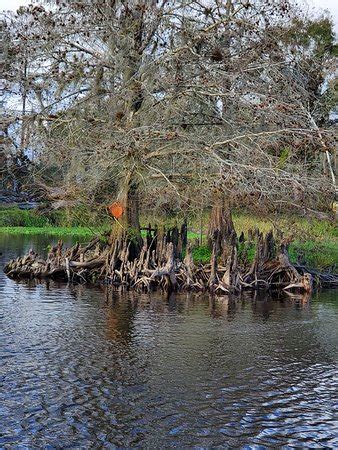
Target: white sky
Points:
(331, 5)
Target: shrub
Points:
(15, 217)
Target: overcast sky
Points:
(331, 5)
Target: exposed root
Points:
(160, 265)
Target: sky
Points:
(331, 5)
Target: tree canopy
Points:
(164, 101)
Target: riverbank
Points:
(164, 259)
(315, 242)
(81, 232)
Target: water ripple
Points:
(89, 368)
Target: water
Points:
(88, 368)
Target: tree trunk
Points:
(222, 236)
(130, 221)
(132, 212)
(129, 224)
(221, 221)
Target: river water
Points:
(85, 367)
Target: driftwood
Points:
(165, 262)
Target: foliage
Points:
(174, 99)
(50, 231)
(285, 152)
(201, 254)
(14, 217)
(133, 234)
(321, 255)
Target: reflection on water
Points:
(88, 367)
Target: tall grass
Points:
(75, 217)
(53, 231)
(14, 217)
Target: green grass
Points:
(201, 254)
(14, 217)
(76, 217)
(53, 231)
(320, 255)
(299, 227)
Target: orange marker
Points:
(116, 209)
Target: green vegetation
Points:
(201, 254)
(321, 255)
(75, 217)
(315, 242)
(14, 217)
(53, 231)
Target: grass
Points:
(315, 241)
(316, 254)
(77, 217)
(53, 231)
(201, 254)
(14, 217)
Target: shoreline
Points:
(320, 254)
(52, 231)
(164, 261)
